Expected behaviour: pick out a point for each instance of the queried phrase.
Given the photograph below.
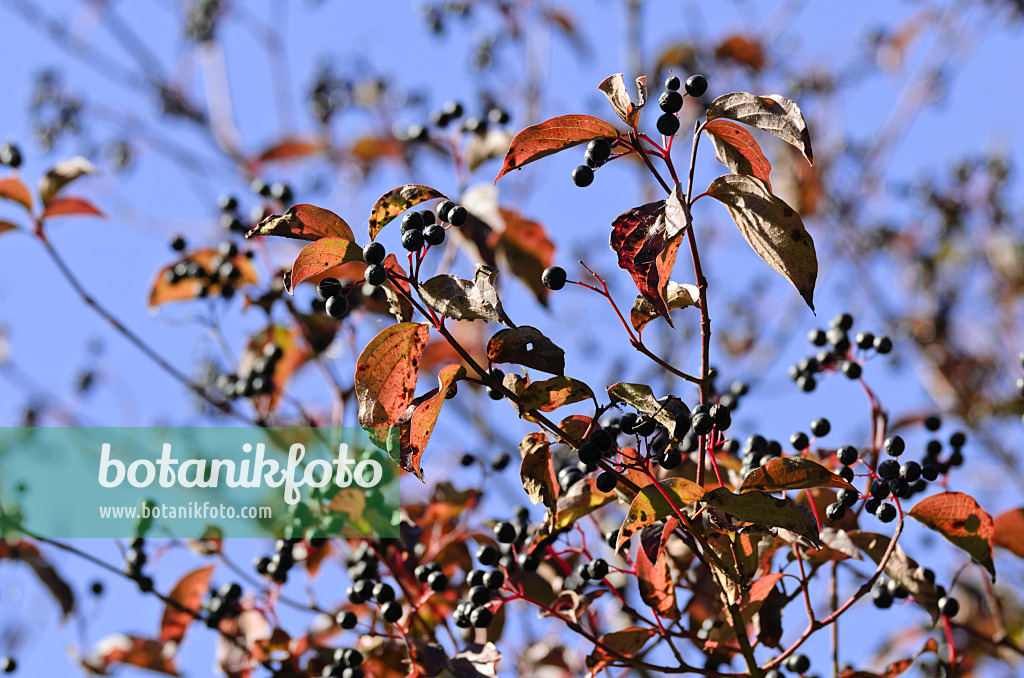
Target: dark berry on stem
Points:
(881, 597)
(227, 203)
(888, 469)
(864, 340)
(412, 221)
(501, 461)
(670, 101)
(607, 481)
(437, 581)
(589, 453)
(494, 579)
(582, 176)
(444, 209)
(932, 422)
(696, 85)
(847, 497)
(553, 277)
(835, 511)
(799, 441)
(817, 337)
(672, 83)
(458, 215)
(930, 472)
(178, 243)
(668, 124)
(894, 446)
(505, 532)
(488, 555)
(879, 489)
(948, 606)
(10, 155)
(602, 438)
(337, 306)
(599, 569)
(375, 275)
(434, 234)
(8, 664)
(346, 619)
(374, 253)
(820, 427)
(481, 617)
(479, 595)
(598, 151)
(910, 471)
(412, 240)
(852, 370)
(958, 439)
(886, 513)
(391, 611)
(798, 663)
(883, 345)
(847, 455)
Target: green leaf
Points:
(319, 257)
(552, 136)
(762, 508)
(959, 518)
(792, 473)
(304, 222)
(396, 201)
(772, 228)
(775, 114)
(650, 505)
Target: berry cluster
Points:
(277, 566)
(597, 154)
(363, 568)
(499, 462)
(221, 273)
(795, 663)
(838, 352)
(229, 217)
(10, 155)
(433, 576)
(224, 603)
(259, 380)
(135, 560)
(345, 663)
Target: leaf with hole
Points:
(304, 222)
(774, 114)
(552, 136)
(526, 346)
(737, 149)
(772, 228)
(792, 473)
(396, 201)
(958, 518)
(653, 503)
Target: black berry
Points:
(820, 427)
(434, 234)
(894, 446)
(346, 619)
(374, 253)
(413, 240)
(597, 153)
(696, 85)
(553, 277)
(847, 497)
(607, 481)
(668, 124)
(375, 275)
(672, 83)
(888, 469)
(337, 306)
(488, 555)
(886, 512)
(10, 155)
(670, 101)
(412, 221)
(949, 606)
(481, 617)
(391, 611)
(178, 243)
(458, 215)
(799, 441)
(582, 176)
(437, 581)
(444, 209)
(505, 532)
(847, 455)
(798, 663)
(883, 345)
(852, 370)
(835, 511)
(328, 287)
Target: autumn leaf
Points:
(552, 136)
(654, 577)
(537, 471)
(618, 647)
(27, 552)
(386, 373)
(762, 508)
(526, 346)
(645, 240)
(772, 228)
(899, 567)
(62, 174)
(676, 296)
(650, 505)
(396, 201)
(118, 648)
(737, 149)
(423, 418)
(741, 50)
(1008, 531)
(614, 87)
(665, 411)
(582, 498)
(290, 149)
(163, 290)
(319, 257)
(550, 394)
(12, 188)
(460, 299)
(775, 114)
(751, 602)
(792, 473)
(304, 222)
(69, 207)
(7, 226)
(187, 593)
(958, 518)
(526, 249)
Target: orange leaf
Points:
(319, 257)
(386, 373)
(741, 50)
(552, 136)
(618, 647)
(13, 189)
(64, 207)
(189, 594)
(291, 148)
(423, 419)
(792, 473)
(7, 226)
(958, 518)
(737, 149)
(163, 291)
(396, 201)
(305, 222)
(1008, 531)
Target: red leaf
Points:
(7, 226)
(64, 207)
(537, 471)
(290, 149)
(958, 518)
(750, 605)
(737, 149)
(423, 419)
(792, 473)
(305, 222)
(618, 647)
(646, 240)
(552, 136)
(396, 201)
(1008, 531)
(319, 257)
(27, 553)
(189, 594)
(386, 373)
(654, 578)
(163, 291)
(12, 188)
(118, 648)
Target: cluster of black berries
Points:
(363, 568)
(224, 603)
(433, 576)
(221, 273)
(277, 566)
(257, 381)
(10, 155)
(334, 294)
(135, 560)
(758, 451)
(671, 101)
(795, 663)
(8, 664)
(420, 228)
(837, 353)
(594, 570)
(229, 217)
(473, 612)
(731, 397)
(453, 110)
(886, 591)
(278, 191)
(499, 462)
(346, 662)
(597, 154)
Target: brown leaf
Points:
(119, 648)
(676, 296)
(792, 473)
(476, 661)
(304, 222)
(762, 508)
(645, 240)
(900, 567)
(614, 87)
(27, 553)
(775, 114)
(62, 174)
(958, 518)
(423, 419)
(289, 149)
(526, 249)
(12, 188)
(650, 505)
(319, 257)
(552, 136)
(163, 291)
(618, 647)
(294, 354)
(582, 498)
(1008, 531)
(7, 226)
(737, 149)
(772, 228)
(482, 148)
(537, 471)
(460, 299)
(189, 594)
(654, 579)
(526, 346)
(550, 394)
(641, 398)
(386, 373)
(68, 207)
(741, 50)
(396, 201)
